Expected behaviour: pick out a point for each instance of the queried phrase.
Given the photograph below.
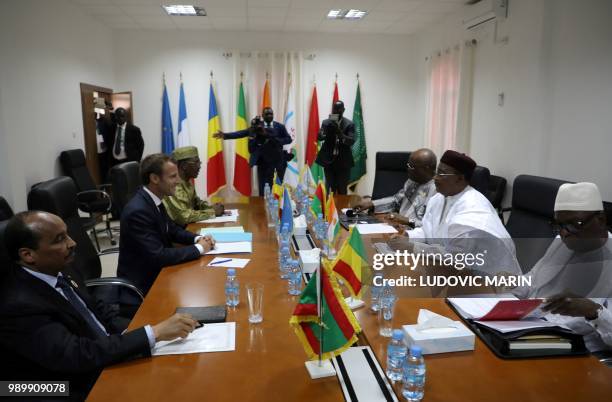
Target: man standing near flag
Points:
(266, 140)
(335, 155)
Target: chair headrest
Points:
(72, 158)
(480, 179)
(57, 196)
(535, 194)
(392, 160)
(5, 209)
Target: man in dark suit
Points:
(148, 233)
(335, 155)
(123, 140)
(266, 140)
(51, 329)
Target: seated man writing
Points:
(575, 274)
(408, 205)
(185, 207)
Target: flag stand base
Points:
(354, 303)
(326, 369)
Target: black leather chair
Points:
(5, 210)
(5, 260)
(91, 199)
(531, 217)
(480, 180)
(391, 173)
(125, 179)
(497, 190)
(58, 196)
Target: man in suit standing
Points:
(148, 233)
(51, 329)
(335, 155)
(266, 140)
(123, 140)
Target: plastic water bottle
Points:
(232, 289)
(267, 191)
(414, 375)
(396, 356)
(295, 278)
(376, 292)
(307, 211)
(283, 261)
(318, 226)
(274, 213)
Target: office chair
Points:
(480, 180)
(91, 199)
(59, 196)
(5, 210)
(496, 192)
(125, 179)
(391, 173)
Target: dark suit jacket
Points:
(345, 133)
(146, 242)
(265, 150)
(42, 337)
(134, 144)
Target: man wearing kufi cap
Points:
(185, 206)
(575, 273)
(460, 219)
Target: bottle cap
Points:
(416, 351)
(398, 334)
(231, 271)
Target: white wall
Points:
(47, 49)
(556, 74)
(383, 62)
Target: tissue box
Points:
(441, 340)
(309, 260)
(299, 225)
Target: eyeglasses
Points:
(438, 173)
(410, 166)
(572, 227)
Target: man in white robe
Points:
(575, 274)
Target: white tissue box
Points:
(309, 260)
(441, 340)
(299, 225)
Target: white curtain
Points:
(252, 67)
(449, 99)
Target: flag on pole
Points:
(242, 169)
(337, 329)
(307, 181)
(215, 169)
(319, 200)
(312, 143)
(266, 99)
(360, 153)
(277, 187)
(167, 131)
(335, 96)
(331, 215)
(182, 138)
(351, 260)
(291, 173)
(287, 211)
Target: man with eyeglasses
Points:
(575, 273)
(408, 205)
(185, 206)
(459, 219)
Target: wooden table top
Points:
(268, 363)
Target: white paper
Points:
(232, 263)
(232, 216)
(222, 229)
(509, 326)
(229, 248)
(375, 228)
(218, 337)
(472, 307)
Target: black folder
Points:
(205, 315)
(499, 343)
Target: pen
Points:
(219, 262)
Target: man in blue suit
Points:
(147, 232)
(266, 140)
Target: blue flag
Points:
(182, 136)
(167, 132)
(287, 213)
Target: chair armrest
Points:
(104, 186)
(115, 282)
(104, 194)
(108, 251)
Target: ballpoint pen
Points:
(219, 262)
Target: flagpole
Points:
(320, 312)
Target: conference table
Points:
(268, 362)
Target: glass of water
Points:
(255, 298)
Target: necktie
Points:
(118, 141)
(72, 298)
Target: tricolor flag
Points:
(312, 143)
(331, 215)
(183, 138)
(287, 211)
(319, 200)
(266, 100)
(291, 177)
(351, 260)
(335, 96)
(215, 169)
(242, 169)
(167, 131)
(277, 187)
(337, 329)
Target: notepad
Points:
(375, 228)
(223, 229)
(230, 215)
(220, 337)
(230, 248)
(221, 262)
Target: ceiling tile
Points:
(143, 9)
(149, 19)
(398, 5)
(358, 4)
(302, 24)
(261, 24)
(229, 23)
(138, 2)
(384, 16)
(438, 7)
(268, 3)
(117, 19)
(321, 4)
(103, 10)
(267, 12)
(371, 26)
(221, 11)
(307, 13)
(223, 3)
(336, 26)
(90, 2)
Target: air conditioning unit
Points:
(484, 11)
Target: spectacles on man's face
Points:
(443, 174)
(572, 227)
(410, 166)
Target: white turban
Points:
(578, 197)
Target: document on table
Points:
(222, 229)
(228, 262)
(219, 337)
(509, 326)
(230, 215)
(229, 237)
(375, 228)
(235, 247)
